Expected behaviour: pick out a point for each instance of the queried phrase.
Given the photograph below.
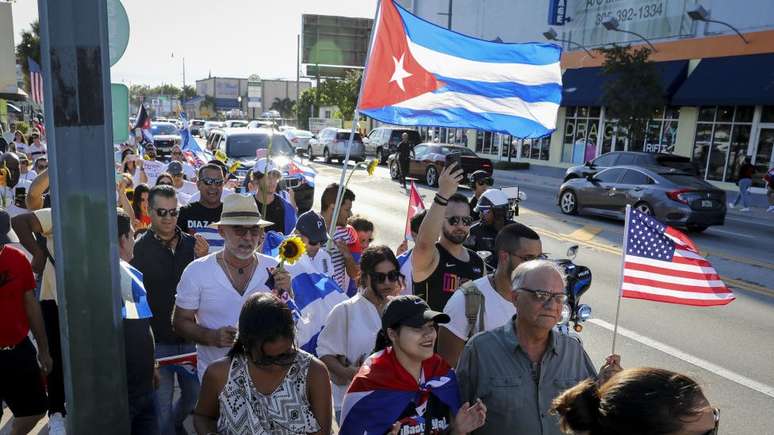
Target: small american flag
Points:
(662, 264)
(36, 81)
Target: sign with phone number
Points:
(654, 19)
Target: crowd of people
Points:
(428, 338)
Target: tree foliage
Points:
(284, 106)
(340, 93)
(29, 47)
(633, 92)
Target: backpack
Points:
(474, 307)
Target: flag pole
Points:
(620, 287)
(355, 119)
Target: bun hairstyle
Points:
(639, 401)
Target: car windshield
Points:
(345, 136)
(463, 151)
(245, 145)
(300, 133)
(687, 180)
(239, 124)
(158, 129)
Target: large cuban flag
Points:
(422, 74)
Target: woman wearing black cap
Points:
(410, 388)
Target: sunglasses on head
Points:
(241, 231)
(163, 212)
(485, 181)
(283, 360)
(392, 275)
(212, 181)
(454, 220)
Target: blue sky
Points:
(231, 38)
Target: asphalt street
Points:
(727, 349)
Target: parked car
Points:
(673, 197)
(242, 145)
(619, 158)
(383, 141)
(331, 143)
(196, 126)
(260, 123)
(209, 126)
(299, 139)
(235, 123)
(165, 136)
(430, 159)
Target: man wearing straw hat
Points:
(213, 288)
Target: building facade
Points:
(251, 96)
(719, 85)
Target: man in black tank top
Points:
(441, 266)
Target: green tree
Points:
(207, 107)
(284, 106)
(633, 92)
(188, 92)
(29, 47)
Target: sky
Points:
(229, 38)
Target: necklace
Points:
(240, 270)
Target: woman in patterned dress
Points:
(265, 385)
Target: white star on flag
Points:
(400, 73)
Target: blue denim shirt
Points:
(495, 368)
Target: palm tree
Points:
(284, 106)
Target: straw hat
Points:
(239, 209)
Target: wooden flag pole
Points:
(355, 119)
(620, 287)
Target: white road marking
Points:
(731, 233)
(698, 362)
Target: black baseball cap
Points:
(410, 310)
(175, 168)
(312, 226)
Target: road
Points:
(728, 350)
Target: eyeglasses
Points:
(716, 414)
(544, 296)
(210, 181)
(284, 359)
(454, 220)
(525, 258)
(392, 275)
(255, 231)
(163, 212)
(486, 181)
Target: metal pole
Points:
(620, 290)
(355, 119)
(78, 120)
(298, 75)
(451, 4)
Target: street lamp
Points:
(551, 35)
(698, 13)
(611, 23)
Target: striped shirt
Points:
(345, 234)
(195, 218)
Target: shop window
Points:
(767, 114)
(580, 134)
(661, 131)
(721, 141)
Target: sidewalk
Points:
(549, 179)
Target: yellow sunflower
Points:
(291, 249)
(372, 166)
(233, 168)
(220, 155)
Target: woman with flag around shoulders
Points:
(405, 387)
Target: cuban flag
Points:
(382, 389)
(143, 122)
(422, 74)
(190, 146)
(134, 298)
(315, 296)
(295, 167)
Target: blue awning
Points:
(226, 103)
(733, 80)
(585, 86)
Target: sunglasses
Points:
(212, 181)
(486, 181)
(454, 220)
(392, 275)
(163, 212)
(544, 296)
(283, 360)
(255, 231)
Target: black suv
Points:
(383, 141)
(632, 158)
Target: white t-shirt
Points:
(35, 151)
(321, 263)
(29, 176)
(204, 287)
(8, 198)
(188, 188)
(48, 284)
(351, 331)
(21, 147)
(498, 310)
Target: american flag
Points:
(662, 264)
(36, 81)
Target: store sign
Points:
(254, 95)
(653, 19)
(227, 88)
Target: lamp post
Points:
(611, 23)
(551, 35)
(698, 13)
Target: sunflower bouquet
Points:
(290, 250)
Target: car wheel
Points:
(394, 170)
(568, 202)
(326, 155)
(309, 153)
(696, 228)
(644, 208)
(431, 176)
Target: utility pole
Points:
(298, 73)
(74, 51)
